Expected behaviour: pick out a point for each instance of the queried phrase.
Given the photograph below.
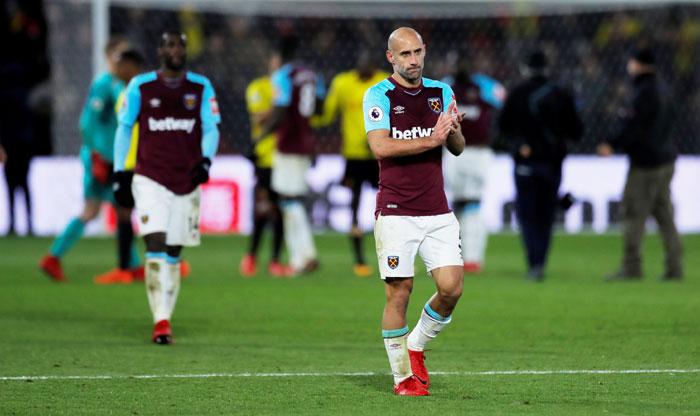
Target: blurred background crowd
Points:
(588, 50)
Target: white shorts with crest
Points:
(160, 210)
(399, 238)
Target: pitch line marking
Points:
(353, 374)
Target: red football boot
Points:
(417, 359)
(162, 334)
(411, 387)
(51, 266)
(115, 277)
(185, 269)
(277, 269)
(139, 273)
(248, 266)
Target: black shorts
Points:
(359, 171)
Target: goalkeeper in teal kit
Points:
(98, 124)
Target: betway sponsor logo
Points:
(414, 133)
(171, 124)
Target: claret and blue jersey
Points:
(297, 88)
(409, 185)
(178, 126)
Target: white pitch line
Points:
(356, 374)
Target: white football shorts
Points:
(160, 210)
(466, 174)
(434, 237)
(289, 174)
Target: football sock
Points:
(356, 191)
(173, 287)
(306, 238)
(473, 233)
(258, 228)
(428, 327)
(297, 234)
(70, 235)
(156, 269)
(125, 238)
(357, 249)
(395, 344)
(134, 257)
(277, 237)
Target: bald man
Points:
(408, 119)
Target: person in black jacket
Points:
(537, 120)
(645, 138)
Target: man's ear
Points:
(389, 56)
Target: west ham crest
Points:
(190, 101)
(434, 104)
(392, 262)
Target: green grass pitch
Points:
(298, 346)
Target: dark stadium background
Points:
(587, 45)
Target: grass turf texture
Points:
(329, 322)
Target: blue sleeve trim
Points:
(172, 260)
(209, 114)
(156, 255)
(282, 85)
(431, 313)
(492, 91)
(122, 143)
(129, 111)
(210, 140)
(376, 106)
(209, 110)
(394, 333)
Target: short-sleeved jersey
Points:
(345, 97)
(258, 98)
(171, 119)
(296, 87)
(98, 123)
(409, 185)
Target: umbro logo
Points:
(399, 109)
(154, 102)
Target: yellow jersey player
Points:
(259, 98)
(345, 97)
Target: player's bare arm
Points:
(384, 146)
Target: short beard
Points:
(411, 80)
